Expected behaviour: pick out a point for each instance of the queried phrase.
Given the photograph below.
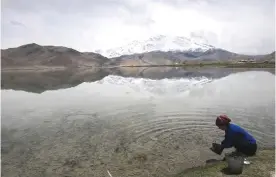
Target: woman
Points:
(236, 136)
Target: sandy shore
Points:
(263, 164)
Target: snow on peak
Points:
(159, 43)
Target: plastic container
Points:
(235, 164)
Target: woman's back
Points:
(234, 129)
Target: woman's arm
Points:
(227, 142)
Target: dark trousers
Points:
(243, 146)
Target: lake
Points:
(128, 121)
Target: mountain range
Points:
(159, 43)
(158, 50)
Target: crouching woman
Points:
(235, 136)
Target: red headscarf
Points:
(222, 120)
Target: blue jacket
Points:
(231, 135)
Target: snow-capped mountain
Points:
(159, 43)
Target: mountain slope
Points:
(218, 54)
(166, 50)
(36, 55)
(159, 43)
(173, 57)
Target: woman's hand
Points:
(216, 148)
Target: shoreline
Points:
(200, 65)
(262, 164)
(217, 65)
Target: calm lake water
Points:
(131, 122)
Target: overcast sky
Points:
(244, 26)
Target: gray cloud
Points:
(246, 26)
(16, 23)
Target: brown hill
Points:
(36, 55)
(269, 57)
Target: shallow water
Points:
(131, 126)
